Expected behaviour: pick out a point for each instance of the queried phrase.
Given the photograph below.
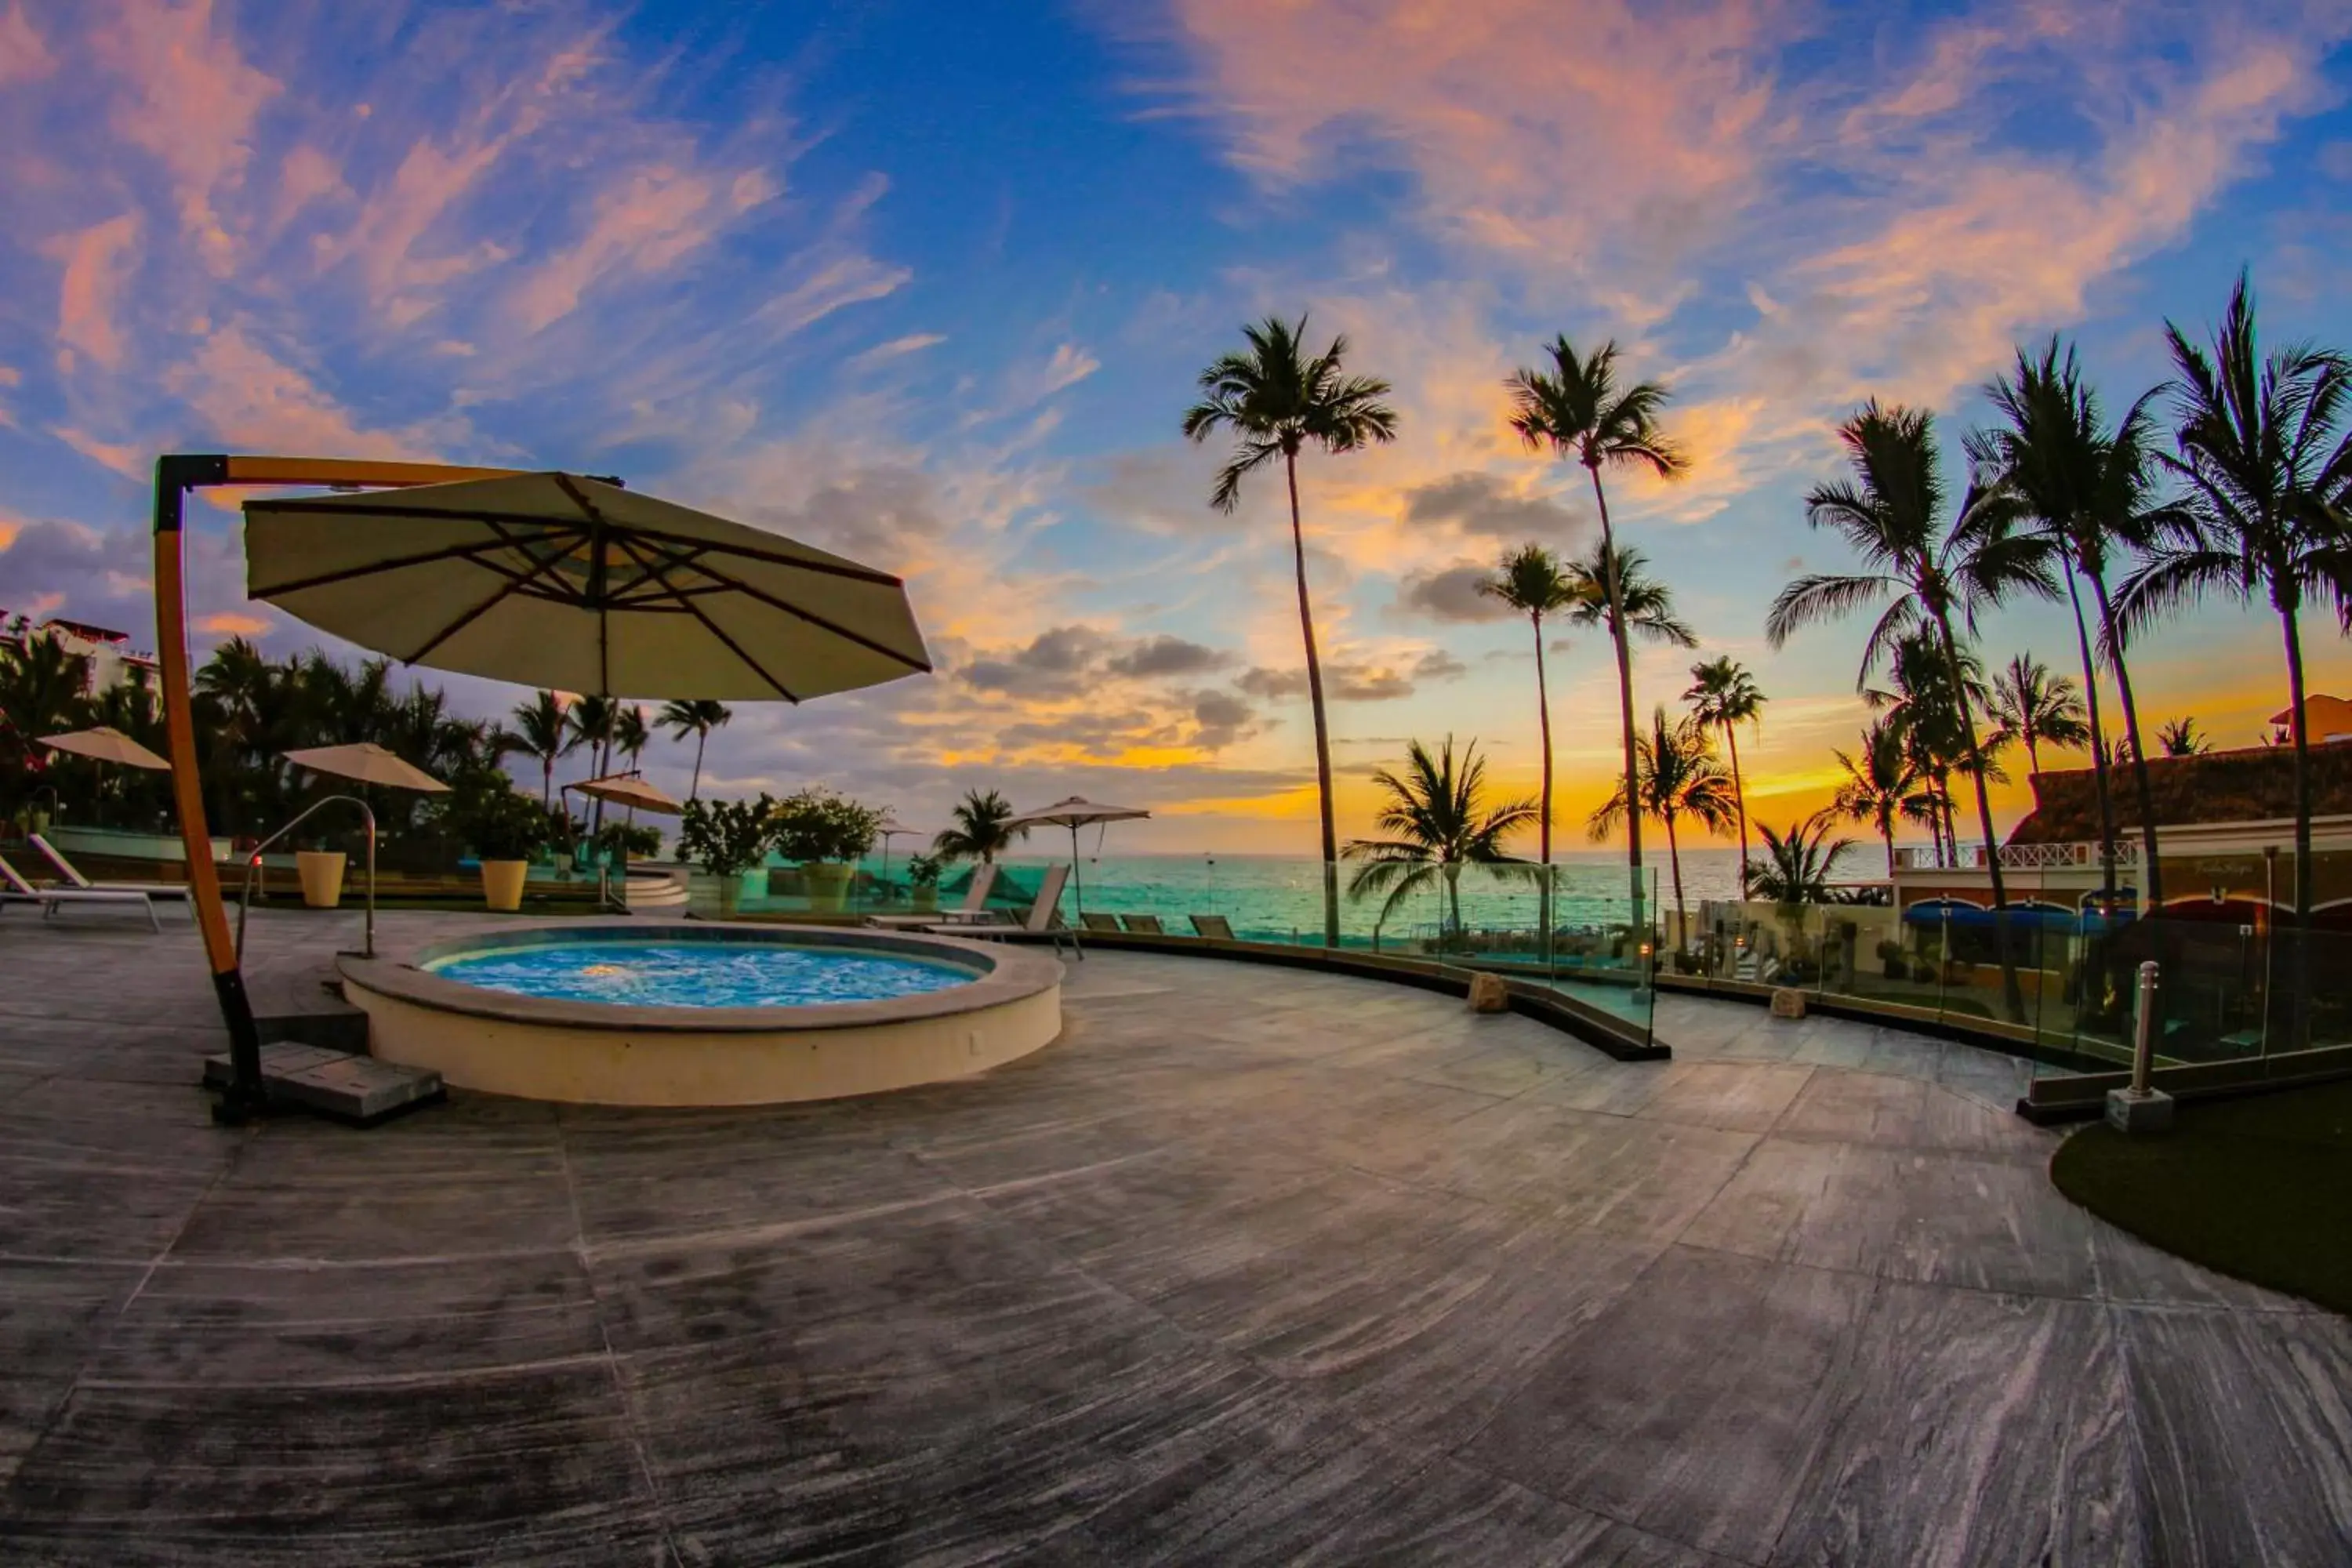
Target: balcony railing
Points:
(2015, 857)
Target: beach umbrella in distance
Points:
(105, 743)
(889, 827)
(574, 584)
(1075, 813)
(367, 763)
(629, 790)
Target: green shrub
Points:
(817, 824)
(726, 836)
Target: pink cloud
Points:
(122, 458)
(254, 402)
(190, 101)
(96, 261)
(646, 223)
(23, 56)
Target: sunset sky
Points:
(930, 284)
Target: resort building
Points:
(107, 658)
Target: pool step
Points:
(345, 1084)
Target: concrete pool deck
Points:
(1252, 1265)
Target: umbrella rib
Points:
(401, 562)
(515, 582)
(812, 617)
(713, 627)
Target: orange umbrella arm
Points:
(362, 471)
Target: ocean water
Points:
(1278, 898)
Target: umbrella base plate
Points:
(351, 1087)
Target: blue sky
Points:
(929, 284)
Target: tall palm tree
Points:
(1921, 708)
(630, 735)
(1723, 694)
(1532, 580)
(1882, 783)
(1578, 409)
(696, 717)
(2267, 463)
(539, 731)
(1438, 822)
(2090, 495)
(1276, 398)
(1938, 570)
(2030, 705)
(593, 720)
(1799, 864)
(979, 832)
(1647, 602)
(1679, 776)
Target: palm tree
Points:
(697, 718)
(1922, 709)
(2030, 705)
(630, 736)
(1798, 864)
(1648, 603)
(2179, 738)
(1438, 823)
(1532, 580)
(1723, 694)
(593, 721)
(1890, 512)
(980, 832)
(1277, 399)
(540, 732)
(2090, 494)
(1882, 783)
(1679, 777)
(1577, 410)
(2267, 463)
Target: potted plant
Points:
(505, 829)
(728, 838)
(825, 834)
(1890, 956)
(923, 882)
(321, 873)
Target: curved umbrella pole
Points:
(176, 474)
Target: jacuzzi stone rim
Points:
(1001, 974)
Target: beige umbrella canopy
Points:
(105, 743)
(369, 763)
(578, 585)
(1074, 814)
(628, 789)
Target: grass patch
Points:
(2260, 1187)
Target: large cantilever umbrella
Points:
(1074, 814)
(577, 585)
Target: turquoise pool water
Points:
(697, 973)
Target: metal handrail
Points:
(253, 867)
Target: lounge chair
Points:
(52, 900)
(1143, 925)
(1042, 917)
(1093, 919)
(974, 905)
(72, 874)
(1216, 928)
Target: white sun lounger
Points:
(974, 905)
(72, 874)
(52, 900)
(1040, 917)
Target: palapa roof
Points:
(2256, 785)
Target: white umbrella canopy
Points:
(1075, 813)
(574, 583)
(105, 743)
(368, 763)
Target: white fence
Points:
(2016, 856)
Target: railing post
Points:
(2142, 1107)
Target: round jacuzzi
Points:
(631, 1011)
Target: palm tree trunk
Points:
(1638, 921)
(1886, 832)
(2098, 750)
(2033, 757)
(2151, 873)
(2012, 995)
(1739, 799)
(547, 782)
(2299, 1006)
(701, 739)
(1674, 862)
(1322, 725)
(1543, 725)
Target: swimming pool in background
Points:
(697, 973)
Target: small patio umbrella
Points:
(629, 790)
(577, 585)
(889, 827)
(105, 743)
(369, 763)
(1074, 814)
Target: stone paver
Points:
(1252, 1265)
